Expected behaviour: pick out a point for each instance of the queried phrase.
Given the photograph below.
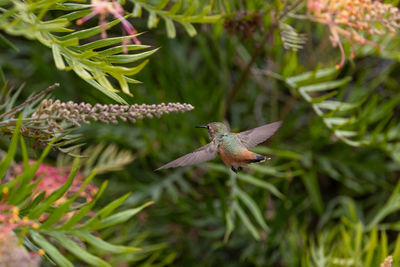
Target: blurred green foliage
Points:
(329, 196)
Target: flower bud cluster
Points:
(10, 218)
(354, 19)
(75, 113)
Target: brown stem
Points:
(243, 77)
(13, 110)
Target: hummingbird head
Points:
(215, 128)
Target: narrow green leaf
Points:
(81, 70)
(7, 44)
(325, 85)
(55, 25)
(76, 15)
(315, 75)
(51, 250)
(77, 217)
(169, 25)
(124, 59)
(191, 9)
(310, 181)
(153, 19)
(252, 206)
(103, 245)
(371, 248)
(34, 203)
(108, 93)
(175, 8)
(82, 34)
(137, 10)
(5, 163)
(383, 246)
(42, 207)
(58, 59)
(107, 210)
(161, 4)
(260, 183)
(242, 215)
(61, 210)
(79, 252)
(120, 49)
(120, 217)
(229, 226)
(24, 151)
(189, 28)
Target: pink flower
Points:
(53, 178)
(354, 20)
(105, 7)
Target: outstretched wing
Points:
(204, 153)
(258, 135)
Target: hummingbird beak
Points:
(202, 127)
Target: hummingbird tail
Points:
(258, 158)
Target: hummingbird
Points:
(231, 147)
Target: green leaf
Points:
(7, 44)
(229, 226)
(257, 182)
(103, 245)
(325, 85)
(153, 20)
(58, 57)
(119, 49)
(118, 218)
(189, 28)
(24, 151)
(137, 10)
(75, 249)
(82, 34)
(246, 221)
(310, 181)
(124, 59)
(107, 210)
(170, 28)
(108, 93)
(5, 163)
(51, 250)
(42, 207)
(61, 210)
(252, 206)
(294, 81)
(77, 217)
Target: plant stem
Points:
(243, 77)
(17, 108)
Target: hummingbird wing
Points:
(253, 137)
(204, 153)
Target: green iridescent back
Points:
(231, 144)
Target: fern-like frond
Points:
(100, 157)
(172, 185)
(241, 205)
(369, 120)
(290, 38)
(93, 61)
(184, 12)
